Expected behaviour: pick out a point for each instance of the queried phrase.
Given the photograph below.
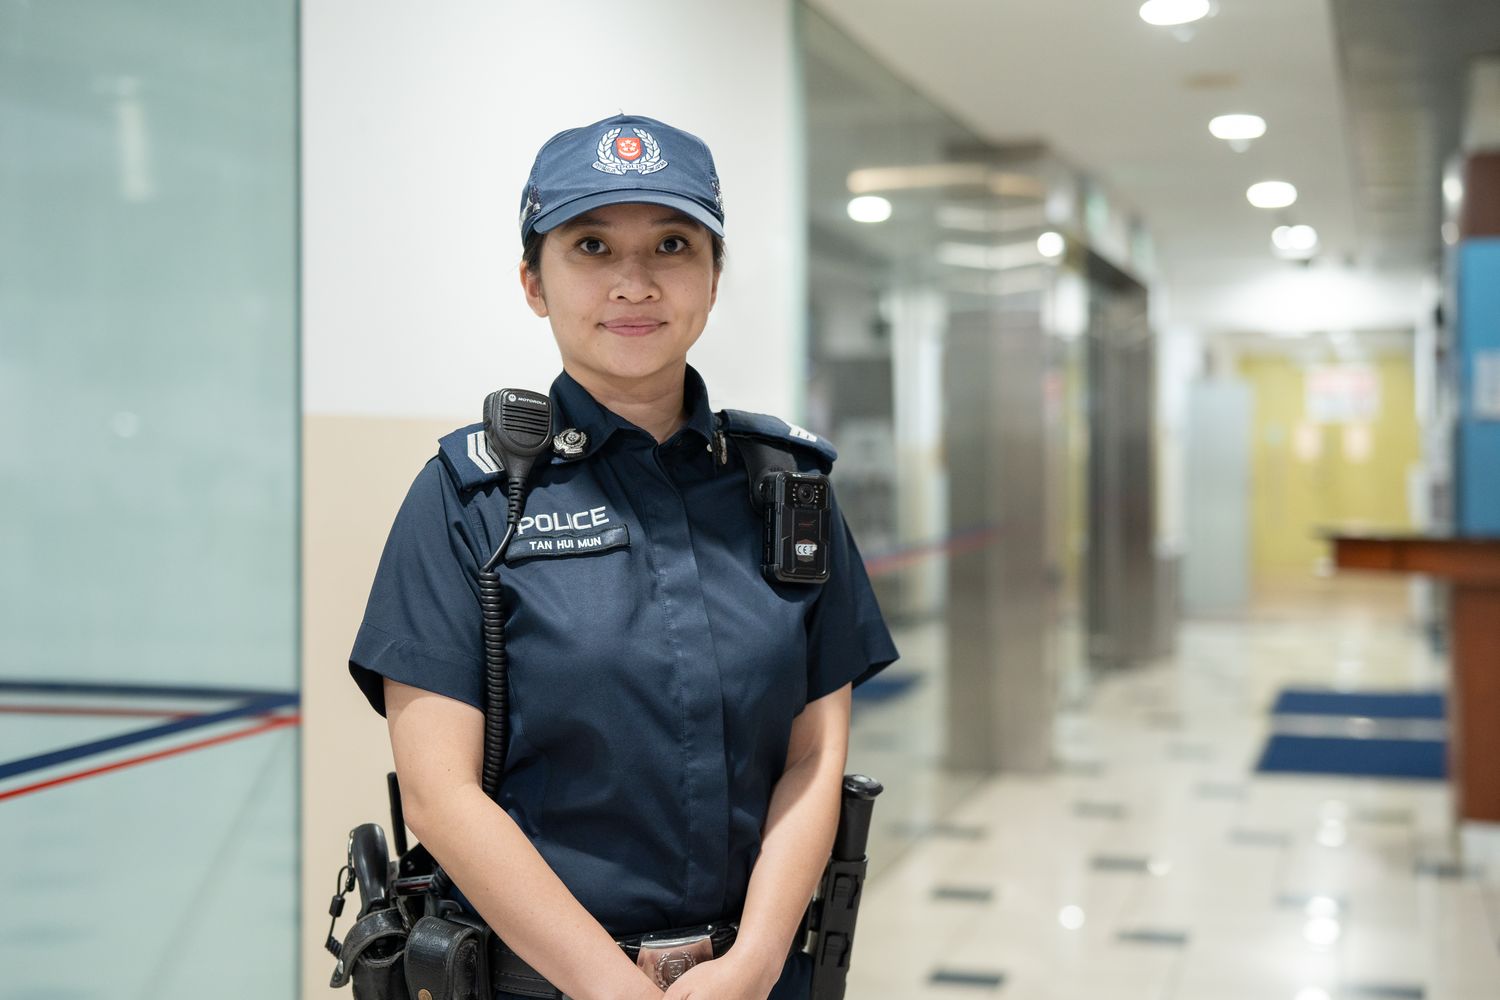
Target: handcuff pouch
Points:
(447, 958)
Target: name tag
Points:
(567, 543)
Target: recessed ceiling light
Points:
(869, 208)
(1166, 13)
(1453, 189)
(1233, 127)
(1295, 241)
(1321, 931)
(1327, 906)
(1051, 245)
(1272, 194)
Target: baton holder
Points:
(835, 908)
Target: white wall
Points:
(420, 121)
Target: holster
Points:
(448, 958)
(835, 909)
(833, 916)
(371, 957)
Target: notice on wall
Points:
(1342, 394)
(1487, 385)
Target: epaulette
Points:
(468, 457)
(776, 431)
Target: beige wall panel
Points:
(356, 471)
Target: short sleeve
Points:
(847, 639)
(422, 624)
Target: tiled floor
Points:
(1154, 863)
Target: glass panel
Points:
(882, 304)
(880, 299)
(148, 498)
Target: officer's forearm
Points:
(795, 845)
(521, 897)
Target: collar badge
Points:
(570, 443)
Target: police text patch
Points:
(568, 543)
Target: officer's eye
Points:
(674, 244)
(591, 246)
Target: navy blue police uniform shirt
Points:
(654, 672)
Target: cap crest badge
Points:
(620, 155)
(628, 148)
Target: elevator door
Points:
(1121, 582)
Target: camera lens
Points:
(804, 493)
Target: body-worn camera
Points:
(798, 513)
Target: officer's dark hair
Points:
(531, 251)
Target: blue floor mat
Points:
(1401, 705)
(1425, 759)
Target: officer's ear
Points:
(713, 289)
(531, 284)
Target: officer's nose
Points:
(635, 282)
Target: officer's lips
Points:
(633, 326)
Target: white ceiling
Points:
(1131, 103)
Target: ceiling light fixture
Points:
(1051, 245)
(869, 208)
(1327, 906)
(1169, 13)
(1272, 194)
(1321, 932)
(1453, 189)
(1238, 130)
(868, 180)
(1294, 241)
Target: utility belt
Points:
(457, 957)
(411, 941)
(664, 956)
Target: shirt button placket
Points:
(702, 696)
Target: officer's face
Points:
(627, 289)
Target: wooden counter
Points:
(1472, 567)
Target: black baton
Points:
(836, 908)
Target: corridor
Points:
(1156, 863)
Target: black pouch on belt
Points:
(447, 958)
(371, 957)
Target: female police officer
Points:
(678, 722)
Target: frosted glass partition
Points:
(148, 498)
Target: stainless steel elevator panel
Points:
(1001, 679)
(1123, 588)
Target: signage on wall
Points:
(1342, 394)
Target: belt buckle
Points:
(665, 957)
